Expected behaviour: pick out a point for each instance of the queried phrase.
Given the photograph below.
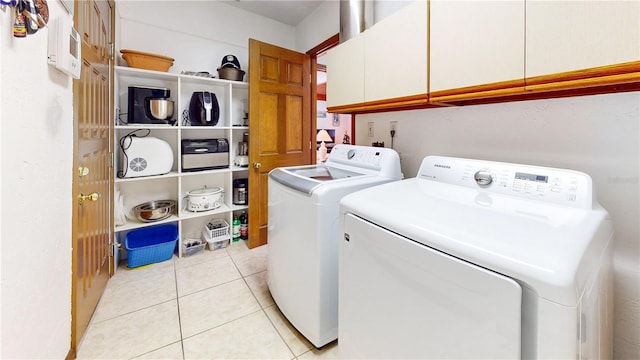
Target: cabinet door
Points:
(345, 73)
(395, 54)
(475, 42)
(570, 35)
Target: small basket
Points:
(192, 244)
(217, 244)
(216, 229)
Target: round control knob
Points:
(482, 177)
(350, 154)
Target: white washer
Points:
(303, 232)
(476, 259)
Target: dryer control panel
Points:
(560, 186)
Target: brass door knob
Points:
(257, 165)
(94, 196)
(83, 171)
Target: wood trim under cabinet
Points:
(627, 68)
(420, 101)
(497, 89)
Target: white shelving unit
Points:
(176, 184)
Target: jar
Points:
(240, 192)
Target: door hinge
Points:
(112, 159)
(112, 246)
(111, 50)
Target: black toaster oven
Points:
(204, 154)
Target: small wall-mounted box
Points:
(64, 50)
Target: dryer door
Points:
(400, 299)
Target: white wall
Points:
(197, 34)
(598, 135)
(324, 22)
(36, 128)
(320, 25)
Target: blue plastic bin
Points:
(151, 245)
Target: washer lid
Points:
(547, 247)
(307, 178)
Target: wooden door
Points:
(92, 168)
(279, 123)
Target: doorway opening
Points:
(330, 128)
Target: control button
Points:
(483, 177)
(571, 197)
(555, 189)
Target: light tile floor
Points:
(211, 305)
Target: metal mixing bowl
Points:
(154, 210)
(161, 109)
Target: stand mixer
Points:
(149, 105)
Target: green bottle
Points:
(235, 228)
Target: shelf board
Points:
(171, 174)
(145, 126)
(175, 127)
(204, 172)
(125, 70)
(134, 224)
(235, 208)
(200, 128)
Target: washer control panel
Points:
(381, 161)
(566, 187)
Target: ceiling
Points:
(290, 12)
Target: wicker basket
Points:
(148, 61)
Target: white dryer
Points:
(303, 232)
(476, 259)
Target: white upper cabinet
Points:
(395, 54)
(345, 73)
(387, 61)
(475, 43)
(571, 35)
